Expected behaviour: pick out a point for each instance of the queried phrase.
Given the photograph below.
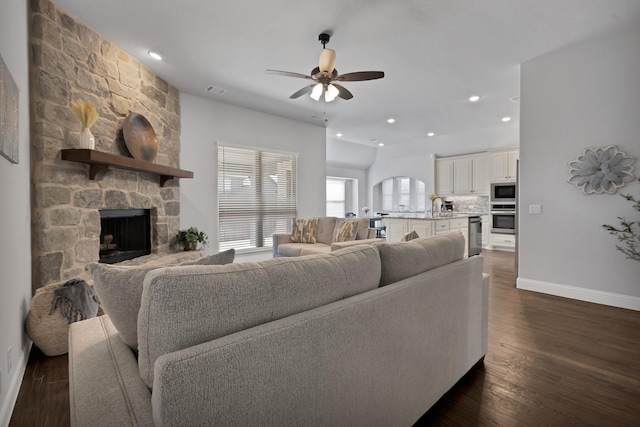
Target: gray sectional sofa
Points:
(369, 335)
(325, 238)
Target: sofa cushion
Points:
(119, 289)
(304, 230)
(401, 260)
(345, 230)
(185, 306)
(221, 258)
(299, 249)
(326, 225)
(362, 228)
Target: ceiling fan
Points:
(325, 75)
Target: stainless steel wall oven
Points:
(503, 218)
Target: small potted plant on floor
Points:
(189, 239)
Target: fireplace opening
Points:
(125, 234)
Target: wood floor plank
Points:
(551, 361)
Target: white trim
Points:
(255, 148)
(14, 387)
(582, 294)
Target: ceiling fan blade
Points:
(327, 60)
(288, 74)
(343, 92)
(305, 90)
(360, 76)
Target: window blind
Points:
(257, 196)
(336, 196)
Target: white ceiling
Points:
(435, 53)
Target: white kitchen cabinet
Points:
(461, 225)
(463, 175)
(444, 177)
(421, 226)
(504, 164)
(481, 183)
(503, 242)
(396, 229)
(441, 226)
(486, 231)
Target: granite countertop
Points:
(430, 217)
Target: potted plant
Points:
(189, 239)
(628, 233)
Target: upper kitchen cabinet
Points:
(444, 177)
(466, 175)
(504, 165)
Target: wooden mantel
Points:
(100, 162)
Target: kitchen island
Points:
(427, 225)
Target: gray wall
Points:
(587, 95)
(205, 122)
(351, 160)
(15, 229)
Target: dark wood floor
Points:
(551, 361)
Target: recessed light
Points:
(430, 134)
(338, 134)
(474, 98)
(391, 120)
(155, 55)
(506, 119)
(381, 144)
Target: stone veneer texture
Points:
(68, 62)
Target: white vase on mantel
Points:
(87, 140)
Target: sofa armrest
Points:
(279, 239)
(339, 245)
(105, 388)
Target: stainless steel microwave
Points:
(504, 192)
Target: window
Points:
(399, 194)
(257, 196)
(404, 201)
(420, 196)
(387, 195)
(336, 199)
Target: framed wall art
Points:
(8, 115)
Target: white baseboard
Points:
(582, 294)
(14, 385)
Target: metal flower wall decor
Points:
(601, 170)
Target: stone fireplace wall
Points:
(68, 62)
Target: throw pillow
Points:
(345, 230)
(304, 230)
(410, 236)
(119, 290)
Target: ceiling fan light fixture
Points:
(327, 60)
(316, 92)
(331, 93)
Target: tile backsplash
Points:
(470, 203)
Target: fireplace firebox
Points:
(125, 234)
